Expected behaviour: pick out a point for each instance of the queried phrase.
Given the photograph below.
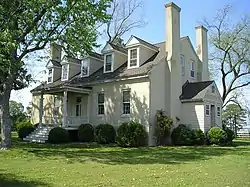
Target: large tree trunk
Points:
(5, 115)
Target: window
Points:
(218, 111)
(78, 106)
(85, 68)
(133, 58)
(101, 104)
(182, 65)
(213, 89)
(108, 63)
(192, 68)
(65, 72)
(57, 101)
(207, 110)
(126, 102)
(50, 76)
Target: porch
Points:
(67, 107)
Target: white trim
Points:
(142, 45)
(192, 68)
(112, 62)
(67, 72)
(88, 62)
(101, 115)
(184, 67)
(130, 108)
(218, 111)
(209, 107)
(137, 58)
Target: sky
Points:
(153, 12)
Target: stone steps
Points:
(39, 135)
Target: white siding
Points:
(119, 59)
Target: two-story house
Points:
(132, 83)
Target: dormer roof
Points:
(110, 47)
(96, 55)
(53, 63)
(134, 40)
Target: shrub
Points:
(198, 137)
(230, 135)
(24, 128)
(58, 135)
(163, 126)
(131, 134)
(105, 133)
(86, 133)
(217, 136)
(182, 135)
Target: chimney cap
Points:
(201, 27)
(172, 4)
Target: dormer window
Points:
(85, 68)
(108, 63)
(192, 68)
(50, 75)
(65, 71)
(133, 58)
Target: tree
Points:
(17, 113)
(27, 26)
(234, 117)
(230, 46)
(122, 21)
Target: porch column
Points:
(65, 112)
(89, 107)
(41, 110)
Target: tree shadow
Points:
(10, 180)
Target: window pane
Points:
(126, 96)
(133, 54)
(78, 110)
(85, 67)
(207, 109)
(192, 73)
(126, 108)
(65, 71)
(100, 98)
(213, 89)
(218, 111)
(182, 65)
(108, 59)
(50, 71)
(108, 67)
(101, 109)
(49, 79)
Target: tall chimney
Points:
(202, 50)
(173, 58)
(55, 52)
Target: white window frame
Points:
(137, 57)
(82, 63)
(50, 75)
(126, 102)
(79, 104)
(100, 104)
(207, 109)
(192, 68)
(62, 78)
(182, 60)
(112, 62)
(218, 109)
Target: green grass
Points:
(30, 165)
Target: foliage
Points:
(198, 137)
(182, 135)
(24, 128)
(234, 117)
(230, 46)
(28, 26)
(164, 124)
(86, 133)
(217, 136)
(230, 135)
(58, 135)
(131, 134)
(105, 133)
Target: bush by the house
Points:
(230, 135)
(198, 137)
(217, 136)
(164, 124)
(182, 135)
(105, 133)
(58, 135)
(24, 128)
(86, 133)
(131, 134)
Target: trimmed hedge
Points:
(86, 133)
(105, 134)
(198, 137)
(182, 135)
(58, 135)
(131, 134)
(24, 128)
(217, 136)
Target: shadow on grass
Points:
(10, 180)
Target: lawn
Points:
(30, 165)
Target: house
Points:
(132, 82)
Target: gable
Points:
(213, 96)
(107, 48)
(132, 41)
(53, 63)
(186, 40)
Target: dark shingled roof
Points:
(96, 55)
(118, 48)
(146, 43)
(191, 89)
(55, 63)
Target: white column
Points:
(41, 110)
(89, 107)
(65, 112)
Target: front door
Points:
(78, 108)
(213, 115)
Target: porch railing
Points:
(52, 120)
(75, 121)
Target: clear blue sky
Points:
(192, 12)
